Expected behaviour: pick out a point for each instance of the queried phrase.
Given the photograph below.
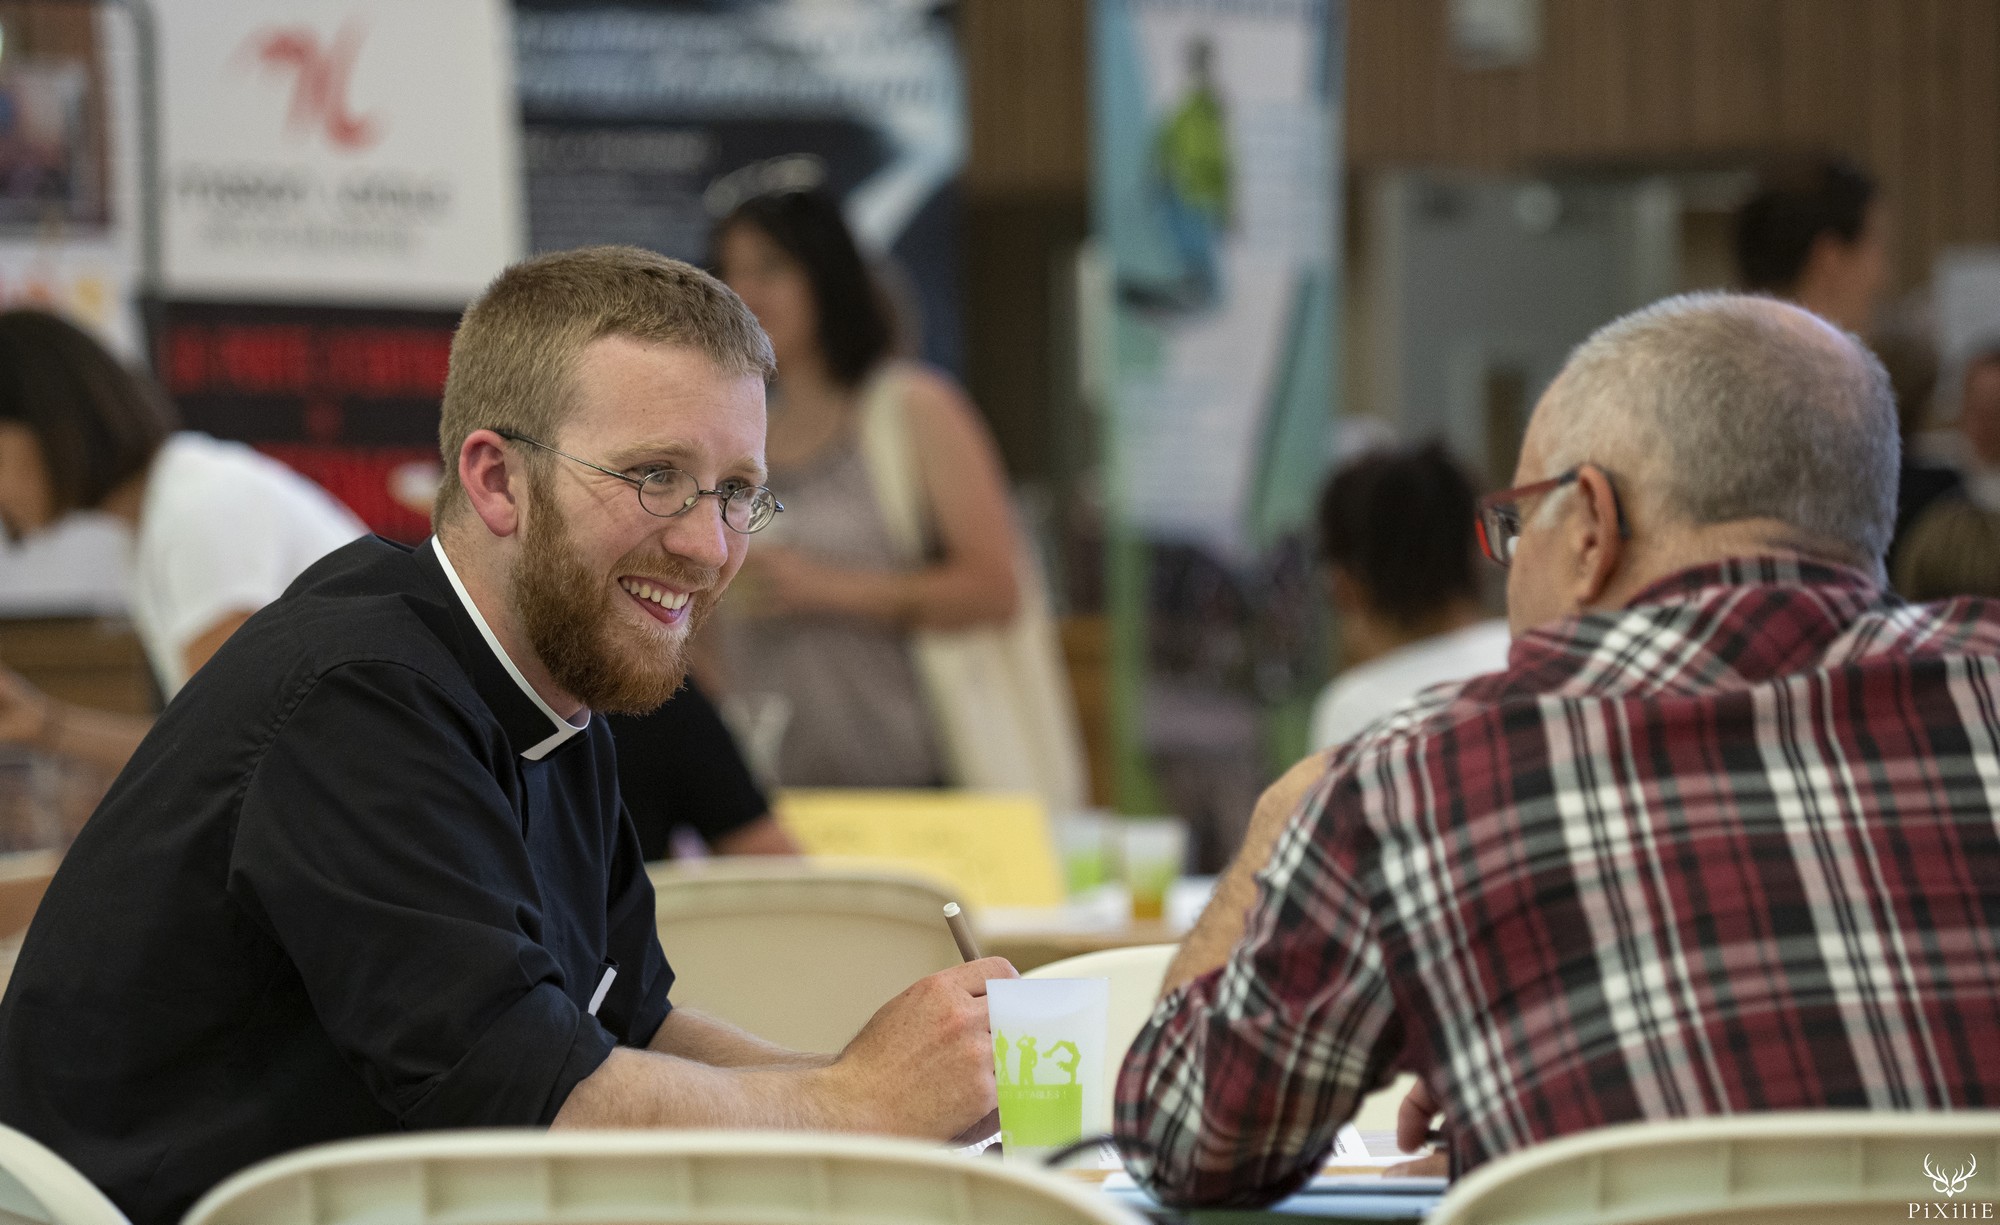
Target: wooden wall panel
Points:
(1909, 87)
(1027, 92)
(1977, 46)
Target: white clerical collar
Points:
(564, 728)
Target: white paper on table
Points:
(1349, 1150)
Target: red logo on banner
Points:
(320, 76)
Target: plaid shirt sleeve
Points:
(1234, 1090)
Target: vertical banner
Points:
(340, 178)
(1215, 199)
(642, 125)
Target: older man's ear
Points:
(1592, 530)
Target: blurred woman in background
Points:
(822, 616)
(218, 530)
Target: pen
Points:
(961, 932)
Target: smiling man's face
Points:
(608, 594)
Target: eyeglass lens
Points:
(1503, 527)
(670, 492)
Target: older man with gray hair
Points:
(1724, 836)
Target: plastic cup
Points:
(1087, 852)
(1155, 852)
(1048, 1060)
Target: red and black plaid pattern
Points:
(1735, 847)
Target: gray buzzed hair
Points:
(1722, 407)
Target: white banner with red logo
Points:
(338, 150)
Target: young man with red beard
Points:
(369, 873)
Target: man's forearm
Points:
(922, 1067)
(692, 1035)
(1220, 927)
(649, 1089)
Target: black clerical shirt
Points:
(357, 879)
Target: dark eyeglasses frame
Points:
(722, 496)
(1497, 510)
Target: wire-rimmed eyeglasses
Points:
(667, 492)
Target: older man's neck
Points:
(1713, 543)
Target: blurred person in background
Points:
(824, 612)
(683, 776)
(218, 530)
(1979, 426)
(1910, 357)
(1397, 534)
(1954, 550)
(1816, 232)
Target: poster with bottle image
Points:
(1215, 197)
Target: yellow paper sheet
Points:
(996, 849)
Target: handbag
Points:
(998, 694)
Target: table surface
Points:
(1353, 1199)
(1032, 937)
(1030, 948)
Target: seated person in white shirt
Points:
(218, 530)
(1396, 533)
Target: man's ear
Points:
(493, 485)
(1598, 534)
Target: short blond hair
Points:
(515, 352)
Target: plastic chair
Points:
(1827, 1167)
(39, 1188)
(1135, 974)
(796, 953)
(516, 1177)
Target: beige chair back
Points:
(1136, 974)
(797, 953)
(1847, 1167)
(523, 1177)
(39, 1188)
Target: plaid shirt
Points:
(1735, 847)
